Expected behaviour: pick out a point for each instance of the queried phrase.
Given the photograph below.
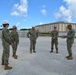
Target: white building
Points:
(61, 27)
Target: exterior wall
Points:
(41, 29)
(61, 27)
(46, 28)
(49, 28)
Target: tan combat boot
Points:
(14, 55)
(67, 56)
(70, 58)
(7, 67)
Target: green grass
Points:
(44, 34)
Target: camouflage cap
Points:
(33, 26)
(14, 27)
(55, 27)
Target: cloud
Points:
(40, 23)
(44, 12)
(17, 24)
(20, 9)
(23, 27)
(67, 13)
(15, 13)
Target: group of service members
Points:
(12, 38)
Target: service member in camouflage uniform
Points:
(70, 41)
(32, 34)
(37, 32)
(54, 40)
(15, 41)
(6, 46)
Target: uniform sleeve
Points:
(6, 35)
(28, 34)
(37, 34)
(18, 37)
(51, 33)
(12, 37)
(71, 35)
(56, 34)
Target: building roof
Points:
(56, 23)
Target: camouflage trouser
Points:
(5, 55)
(14, 48)
(56, 44)
(69, 46)
(32, 45)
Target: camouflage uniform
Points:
(32, 34)
(14, 39)
(70, 41)
(37, 33)
(6, 46)
(54, 40)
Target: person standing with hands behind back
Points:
(6, 41)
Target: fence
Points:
(21, 33)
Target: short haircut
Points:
(69, 25)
